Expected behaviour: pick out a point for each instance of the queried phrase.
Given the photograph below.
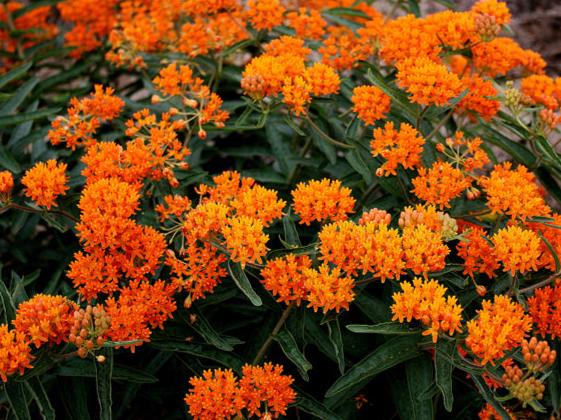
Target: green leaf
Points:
(375, 309)
(488, 396)
(18, 97)
(388, 328)
(552, 251)
(40, 396)
(211, 336)
(291, 236)
(309, 405)
(14, 74)
(443, 369)
(8, 307)
(15, 391)
(103, 377)
(291, 350)
(545, 148)
(389, 354)
(346, 11)
(337, 341)
(302, 250)
(358, 163)
(279, 146)
(241, 280)
(8, 161)
(28, 116)
(409, 391)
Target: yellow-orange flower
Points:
(328, 289)
(266, 386)
(425, 301)
(45, 182)
(514, 192)
(497, 9)
(427, 82)
(287, 45)
(403, 147)
(6, 184)
(45, 319)
(545, 309)
(440, 184)
(381, 251)
(500, 325)
(307, 23)
(424, 250)
(215, 395)
(517, 249)
(323, 79)
(265, 14)
(370, 103)
(322, 200)
(15, 353)
(245, 240)
(284, 277)
(297, 94)
(478, 254)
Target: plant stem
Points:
(440, 124)
(303, 152)
(541, 283)
(32, 210)
(276, 329)
(325, 136)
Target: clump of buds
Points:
(253, 85)
(538, 356)
(377, 216)
(548, 120)
(486, 26)
(449, 226)
(525, 389)
(473, 193)
(89, 327)
(514, 99)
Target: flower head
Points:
(545, 309)
(265, 14)
(322, 79)
(6, 185)
(322, 200)
(45, 182)
(15, 353)
(328, 289)
(245, 240)
(425, 301)
(284, 277)
(500, 326)
(517, 249)
(440, 183)
(424, 250)
(478, 254)
(370, 103)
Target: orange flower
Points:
(376, 216)
(403, 147)
(328, 289)
(297, 95)
(440, 184)
(323, 79)
(45, 319)
(370, 103)
(514, 192)
(307, 23)
(322, 200)
(45, 182)
(497, 9)
(284, 277)
(542, 89)
(260, 203)
(517, 249)
(199, 272)
(501, 55)
(173, 205)
(428, 83)
(480, 97)
(205, 220)
(215, 395)
(501, 325)
(15, 353)
(6, 185)
(339, 245)
(265, 14)
(424, 300)
(424, 250)
(287, 45)
(478, 254)
(245, 240)
(266, 386)
(545, 310)
(342, 49)
(84, 118)
(381, 251)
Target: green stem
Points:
(263, 350)
(297, 167)
(440, 125)
(545, 282)
(32, 210)
(325, 136)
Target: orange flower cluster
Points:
(45, 319)
(424, 250)
(15, 353)
(542, 89)
(440, 184)
(518, 249)
(398, 148)
(6, 185)
(321, 201)
(307, 23)
(262, 391)
(478, 254)
(545, 309)
(500, 326)
(370, 103)
(115, 246)
(265, 14)
(428, 83)
(206, 105)
(285, 277)
(328, 289)
(425, 301)
(342, 49)
(44, 182)
(514, 192)
(85, 116)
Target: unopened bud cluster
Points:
(486, 26)
(522, 388)
(538, 356)
(377, 216)
(89, 328)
